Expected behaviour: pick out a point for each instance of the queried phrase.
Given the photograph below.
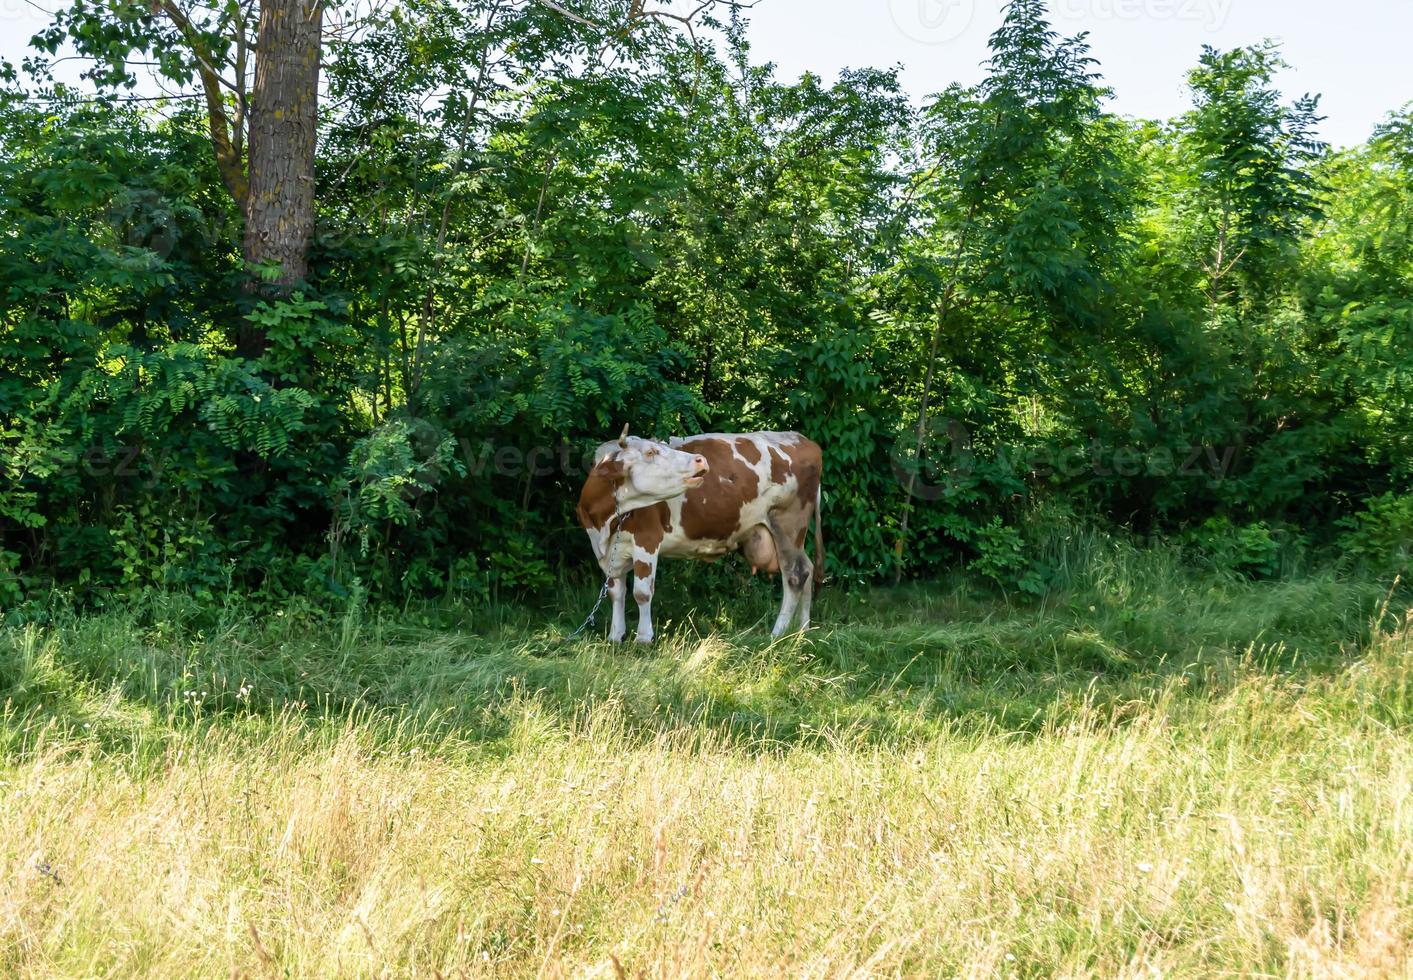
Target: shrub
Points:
(1381, 536)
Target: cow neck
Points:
(627, 505)
(621, 499)
(599, 500)
(613, 528)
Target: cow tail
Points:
(818, 536)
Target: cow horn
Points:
(623, 439)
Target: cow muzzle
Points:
(696, 476)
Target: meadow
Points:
(1157, 770)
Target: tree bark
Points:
(279, 202)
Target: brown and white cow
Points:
(703, 497)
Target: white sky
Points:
(1357, 54)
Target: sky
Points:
(1356, 54)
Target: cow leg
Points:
(797, 576)
(618, 594)
(787, 606)
(796, 569)
(618, 564)
(616, 588)
(805, 575)
(644, 581)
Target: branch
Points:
(577, 18)
(687, 19)
(102, 99)
(228, 160)
(243, 46)
(637, 13)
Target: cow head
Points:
(644, 472)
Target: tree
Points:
(1251, 184)
(1357, 286)
(1024, 197)
(258, 73)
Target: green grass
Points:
(1154, 769)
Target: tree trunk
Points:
(279, 202)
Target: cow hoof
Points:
(643, 639)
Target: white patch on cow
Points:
(622, 545)
(759, 438)
(643, 587)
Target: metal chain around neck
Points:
(608, 554)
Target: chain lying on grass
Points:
(589, 621)
(608, 553)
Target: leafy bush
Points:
(1247, 549)
(1004, 558)
(1380, 537)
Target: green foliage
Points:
(12, 591)
(155, 554)
(532, 230)
(1002, 558)
(1251, 188)
(1380, 537)
(1247, 549)
(388, 471)
(841, 409)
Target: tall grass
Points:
(1152, 771)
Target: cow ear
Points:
(611, 468)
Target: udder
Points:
(759, 549)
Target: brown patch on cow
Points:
(748, 450)
(642, 569)
(596, 500)
(649, 525)
(712, 512)
(805, 462)
(779, 465)
(806, 465)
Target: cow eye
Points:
(651, 452)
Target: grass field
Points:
(1155, 772)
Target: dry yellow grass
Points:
(1266, 829)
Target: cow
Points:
(704, 497)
